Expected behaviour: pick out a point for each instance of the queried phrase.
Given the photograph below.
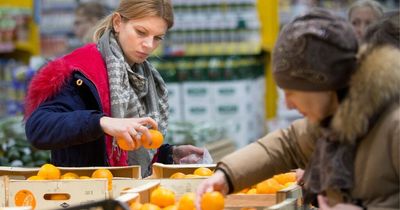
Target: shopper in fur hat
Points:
(348, 142)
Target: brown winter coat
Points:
(377, 161)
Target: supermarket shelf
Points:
(218, 48)
(180, 3)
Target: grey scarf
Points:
(137, 91)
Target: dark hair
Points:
(386, 31)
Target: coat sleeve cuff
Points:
(164, 155)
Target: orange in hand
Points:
(123, 145)
(212, 201)
(155, 141)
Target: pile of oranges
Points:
(198, 173)
(51, 172)
(272, 185)
(163, 198)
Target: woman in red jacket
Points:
(80, 103)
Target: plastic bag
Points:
(197, 159)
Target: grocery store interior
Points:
(217, 71)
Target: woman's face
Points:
(140, 37)
(315, 106)
(361, 17)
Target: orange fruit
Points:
(35, 177)
(25, 198)
(49, 171)
(203, 172)
(252, 191)
(59, 197)
(192, 176)
(177, 175)
(187, 202)
(123, 145)
(162, 197)
(149, 206)
(84, 177)
(212, 201)
(245, 190)
(285, 178)
(104, 173)
(268, 186)
(69, 175)
(156, 139)
(135, 206)
(173, 207)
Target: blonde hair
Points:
(137, 9)
(374, 5)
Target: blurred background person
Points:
(362, 13)
(86, 17)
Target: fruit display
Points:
(272, 185)
(51, 172)
(198, 173)
(15, 150)
(163, 198)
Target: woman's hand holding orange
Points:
(128, 131)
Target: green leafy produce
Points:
(15, 149)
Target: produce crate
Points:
(23, 173)
(165, 170)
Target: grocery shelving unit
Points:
(19, 34)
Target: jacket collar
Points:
(52, 77)
(374, 85)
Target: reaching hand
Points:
(187, 154)
(216, 182)
(129, 129)
(323, 205)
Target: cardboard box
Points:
(79, 191)
(165, 170)
(24, 173)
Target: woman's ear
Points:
(116, 20)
